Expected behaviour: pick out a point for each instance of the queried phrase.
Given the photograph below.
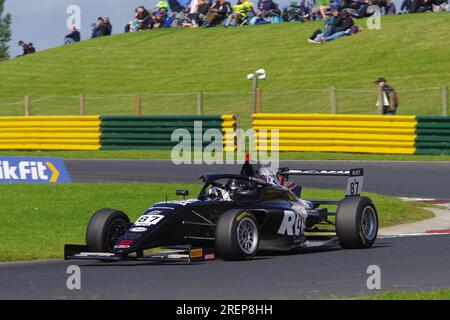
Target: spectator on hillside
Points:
(218, 13)
(73, 36)
(94, 30)
(162, 5)
(267, 9)
(159, 18)
(107, 27)
(142, 20)
(25, 47)
(198, 12)
(241, 12)
(100, 27)
(390, 99)
(342, 25)
(31, 48)
(295, 12)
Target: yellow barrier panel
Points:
(337, 133)
(334, 117)
(50, 133)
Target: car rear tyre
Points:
(237, 235)
(105, 228)
(356, 223)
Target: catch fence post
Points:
(200, 103)
(27, 106)
(138, 104)
(333, 99)
(445, 101)
(82, 104)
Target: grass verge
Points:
(38, 220)
(430, 295)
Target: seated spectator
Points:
(218, 13)
(72, 37)
(439, 5)
(198, 15)
(342, 25)
(295, 12)
(267, 9)
(241, 12)
(142, 20)
(421, 6)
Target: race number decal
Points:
(148, 220)
(293, 223)
(355, 182)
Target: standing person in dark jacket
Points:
(390, 99)
(102, 28)
(108, 27)
(218, 12)
(72, 37)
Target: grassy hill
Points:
(411, 51)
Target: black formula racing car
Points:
(233, 218)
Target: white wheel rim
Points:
(247, 235)
(369, 223)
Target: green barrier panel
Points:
(152, 132)
(432, 132)
(432, 144)
(162, 148)
(136, 136)
(433, 138)
(147, 124)
(167, 130)
(151, 142)
(156, 117)
(432, 118)
(433, 125)
(433, 151)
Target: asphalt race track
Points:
(409, 179)
(407, 264)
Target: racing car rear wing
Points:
(354, 182)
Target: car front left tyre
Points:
(105, 228)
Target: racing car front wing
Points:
(186, 254)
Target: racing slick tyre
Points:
(105, 228)
(237, 235)
(356, 223)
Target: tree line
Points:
(5, 32)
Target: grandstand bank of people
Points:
(337, 15)
(211, 13)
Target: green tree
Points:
(5, 32)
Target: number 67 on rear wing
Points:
(354, 182)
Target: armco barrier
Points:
(433, 135)
(107, 132)
(50, 133)
(155, 132)
(338, 133)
